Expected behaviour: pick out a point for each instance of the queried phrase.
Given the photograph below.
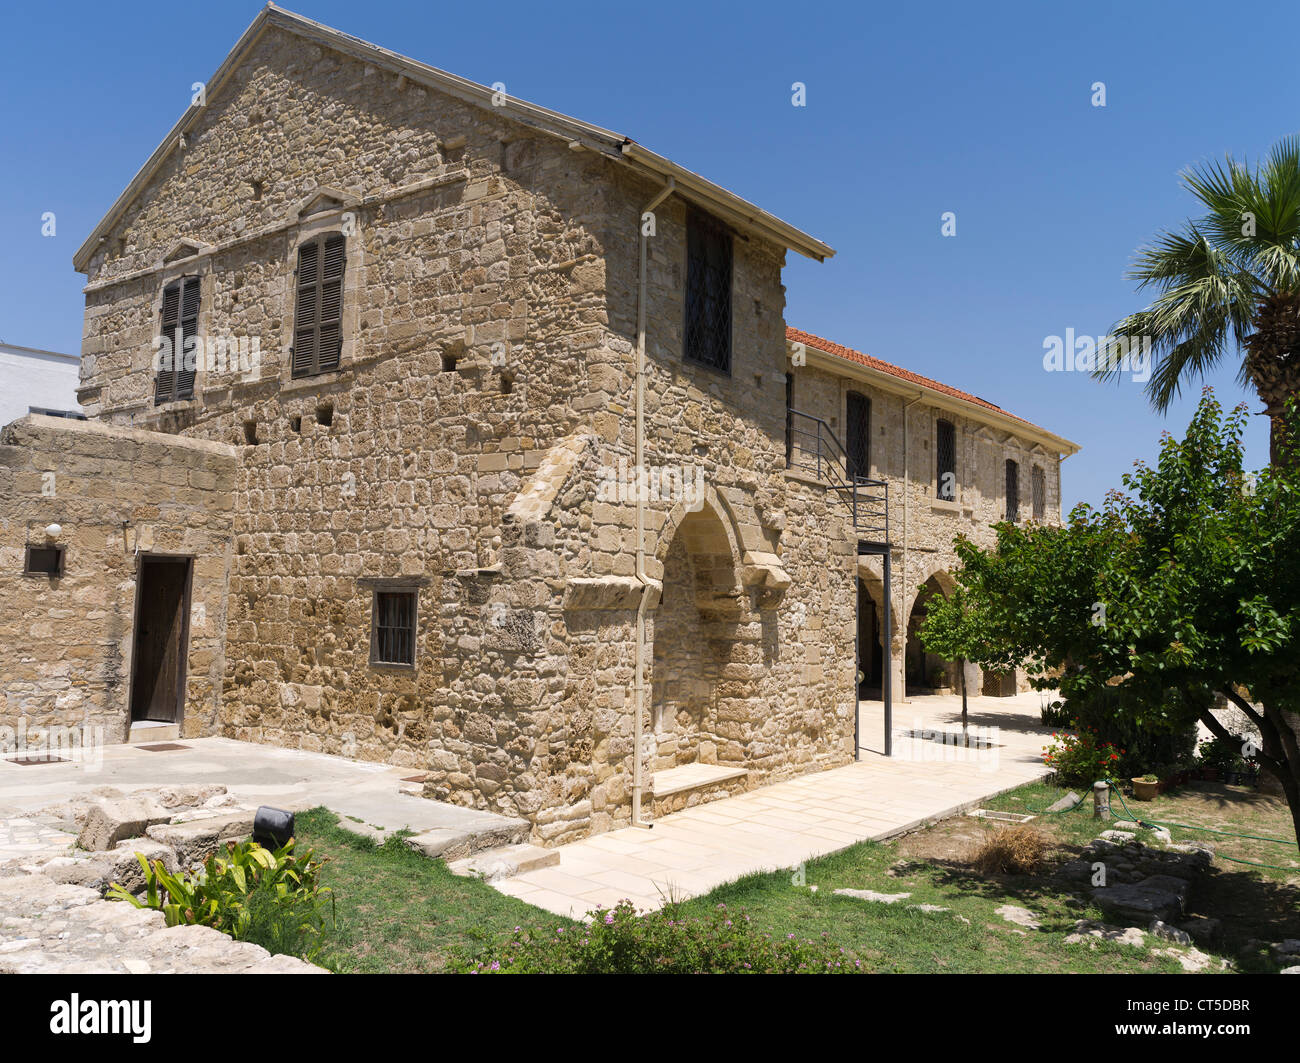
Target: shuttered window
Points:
(1013, 491)
(318, 314)
(177, 358)
(708, 293)
(945, 470)
(1038, 491)
(392, 639)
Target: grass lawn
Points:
(398, 911)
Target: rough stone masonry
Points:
(394, 507)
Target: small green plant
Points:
(618, 940)
(1055, 714)
(272, 898)
(1146, 778)
(1081, 758)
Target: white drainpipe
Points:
(638, 681)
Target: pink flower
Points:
(609, 918)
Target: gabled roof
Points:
(838, 350)
(691, 186)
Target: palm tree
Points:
(1231, 276)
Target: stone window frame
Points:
(178, 270)
(333, 219)
(1010, 459)
(399, 585)
(1038, 491)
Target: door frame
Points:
(183, 678)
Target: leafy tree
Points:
(954, 628)
(1185, 585)
(1229, 276)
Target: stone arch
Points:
(872, 642)
(695, 640)
(920, 668)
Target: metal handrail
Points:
(825, 456)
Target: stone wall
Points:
(922, 525)
(464, 446)
(116, 494)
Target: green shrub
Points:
(619, 941)
(1055, 714)
(1147, 746)
(1082, 758)
(271, 898)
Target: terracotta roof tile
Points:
(794, 335)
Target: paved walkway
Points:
(254, 774)
(690, 852)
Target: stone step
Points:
(145, 731)
(457, 843)
(505, 862)
(695, 784)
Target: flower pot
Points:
(1210, 774)
(1145, 791)
(1232, 778)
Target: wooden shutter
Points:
(318, 315)
(180, 324)
(1013, 491)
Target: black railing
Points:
(813, 447)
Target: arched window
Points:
(857, 434)
(1013, 491)
(945, 469)
(1038, 491)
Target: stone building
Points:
(505, 485)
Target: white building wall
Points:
(42, 379)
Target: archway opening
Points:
(871, 645)
(694, 639)
(924, 672)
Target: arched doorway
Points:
(871, 644)
(694, 637)
(925, 672)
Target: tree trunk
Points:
(1273, 364)
(961, 663)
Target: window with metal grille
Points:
(857, 433)
(1013, 491)
(708, 293)
(945, 469)
(1038, 491)
(318, 315)
(392, 639)
(178, 356)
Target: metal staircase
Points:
(812, 447)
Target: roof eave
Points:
(604, 141)
(953, 403)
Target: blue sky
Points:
(912, 110)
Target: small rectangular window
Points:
(1013, 491)
(392, 638)
(1038, 491)
(318, 310)
(44, 561)
(179, 330)
(945, 446)
(708, 293)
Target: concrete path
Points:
(255, 774)
(779, 826)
